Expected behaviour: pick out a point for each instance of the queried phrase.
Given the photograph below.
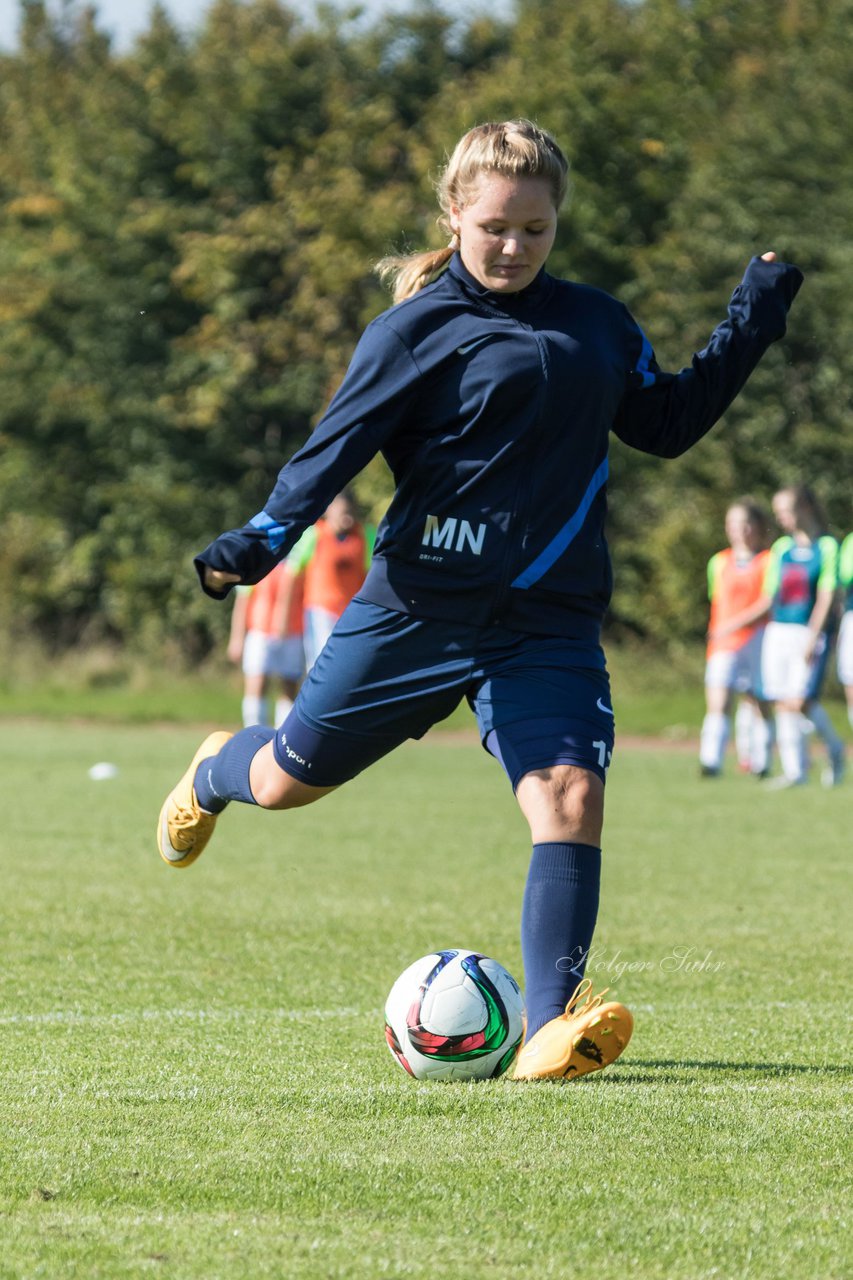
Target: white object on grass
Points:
(102, 771)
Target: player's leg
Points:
(762, 734)
(813, 709)
(719, 671)
(556, 760)
(570, 1031)
(833, 772)
(562, 803)
(382, 679)
(791, 741)
(219, 772)
(784, 675)
(763, 739)
(285, 665)
(254, 708)
(564, 808)
(746, 714)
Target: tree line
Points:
(188, 230)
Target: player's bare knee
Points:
(563, 803)
(575, 793)
(271, 787)
(269, 792)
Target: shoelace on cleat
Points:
(583, 992)
(185, 822)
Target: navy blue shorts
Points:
(384, 676)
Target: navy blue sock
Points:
(225, 776)
(557, 923)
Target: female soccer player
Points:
(801, 583)
(735, 634)
(491, 389)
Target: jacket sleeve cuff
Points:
(200, 566)
(244, 552)
(761, 302)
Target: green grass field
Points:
(196, 1082)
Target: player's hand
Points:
(769, 256)
(217, 579)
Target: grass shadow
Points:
(670, 1070)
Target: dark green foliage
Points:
(187, 234)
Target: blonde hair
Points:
(514, 149)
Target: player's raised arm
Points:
(665, 413)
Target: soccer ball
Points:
(455, 1015)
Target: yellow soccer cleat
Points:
(587, 1037)
(184, 829)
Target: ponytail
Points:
(409, 273)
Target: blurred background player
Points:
(331, 559)
(845, 635)
(735, 635)
(801, 584)
(266, 635)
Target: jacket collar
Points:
(536, 292)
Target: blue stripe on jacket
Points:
(567, 534)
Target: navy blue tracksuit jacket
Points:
(494, 412)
